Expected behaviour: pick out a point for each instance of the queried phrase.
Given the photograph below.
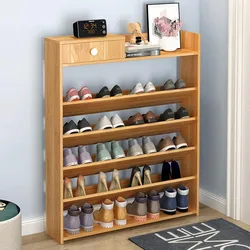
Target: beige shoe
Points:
(165, 144)
(80, 189)
(105, 215)
(102, 183)
(146, 175)
(115, 183)
(120, 212)
(179, 142)
(67, 188)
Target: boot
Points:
(80, 189)
(168, 201)
(102, 183)
(86, 217)
(72, 220)
(120, 212)
(146, 179)
(67, 188)
(105, 215)
(153, 205)
(138, 209)
(115, 183)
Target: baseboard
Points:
(214, 201)
(33, 226)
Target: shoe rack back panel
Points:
(56, 50)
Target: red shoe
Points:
(72, 95)
(85, 93)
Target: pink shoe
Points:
(84, 93)
(72, 95)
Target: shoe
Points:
(154, 205)
(69, 159)
(182, 199)
(84, 126)
(168, 115)
(70, 128)
(175, 170)
(165, 172)
(115, 183)
(135, 178)
(120, 211)
(102, 183)
(181, 113)
(67, 189)
(148, 146)
(72, 95)
(102, 153)
(80, 189)
(146, 178)
(135, 119)
(86, 217)
(116, 121)
(116, 150)
(72, 220)
(165, 144)
(103, 123)
(168, 85)
(149, 117)
(105, 215)
(168, 201)
(84, 156)
(134, 148)
(116, 91)
(138, 209)
(180, 84)
(103, 93)
(85, 93)
(149, 87)
(137, 89)
(179, 142)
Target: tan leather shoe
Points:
(115, 183)
(136, 119)
(105, 215)
(67, 188)
(165, 144)
(120, 212)
(150, 117)
(80, 189)
(179, 142)
(102, 183)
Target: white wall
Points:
(23, 26)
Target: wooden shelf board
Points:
(130, 223)
(126, 101)
(124, 163)
(127, 132)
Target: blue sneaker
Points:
(168, 201)
(182, 198)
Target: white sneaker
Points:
(148, 146)
(134, 148)
(103, 123)
(149, 87)
(137, 89)
(117, 121)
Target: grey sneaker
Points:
(86, 217)
(153, 205)
(102, 153)
(168, 201)
(69, 159)
(72, 220)
(116, 150)
(84, 155)
(148, 146)
(168, 85)
(182, 199)
(134, 148)
(180, 84)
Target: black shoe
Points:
(175, 173)
(135, 178)
(181, 113)
(146, 179)
(168, 115)
(165, 173)
(116, 91)
(84, 126)
(70, 128)
(104, 92)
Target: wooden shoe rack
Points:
(68, 51)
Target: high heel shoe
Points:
(115, 183)
(102, 183)
(135, 179)
(80, 189)
(67, 188)
(146, 178)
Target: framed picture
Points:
(167, 12)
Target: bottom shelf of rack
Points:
(130, 223)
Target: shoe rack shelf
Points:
(67, 51)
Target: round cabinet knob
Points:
(94, 51)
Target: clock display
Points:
(90, 28)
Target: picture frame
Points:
(170, 11)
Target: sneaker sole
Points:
(86, 162)
(105, 127)
(73, 98)
(182, 145)
(72, 231)
(71, 164)
(118, 125)
(168, 148)
(138, 218)
(87, 229)
(170, 212)
(120, 222)
(86, 97)
(152, 151)
(72, 131)
(119, 156)
(105, 224)
(182, 210)
(153, 216)
(85, 129)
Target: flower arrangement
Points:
(167, 27)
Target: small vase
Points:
(169, 43)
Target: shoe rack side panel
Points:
(53, 138)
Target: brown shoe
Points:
(165, 144)
(80, 189)
(120, 212)
(136, 119)
(150, 117)
(179, 142)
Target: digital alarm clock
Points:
(90, 28)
